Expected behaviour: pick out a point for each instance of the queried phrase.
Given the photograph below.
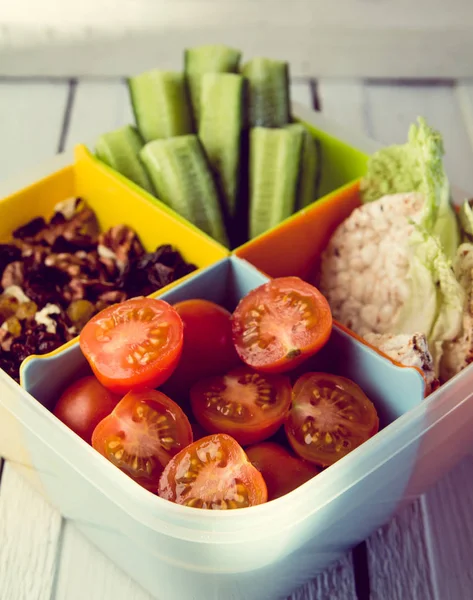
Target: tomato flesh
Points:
(84, 404)
(133, 345)
(281, 470)
(213, 473)
(330, 417)
(247, 405)
(280, 324)
(208, 346)
(142, 434)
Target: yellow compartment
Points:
(115, 202)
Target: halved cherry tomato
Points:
(281, 470)
(280, 324)
(247, 405)
(330, 417)
(213, 473)
(142, 434)
(133, 345)
(84, 404)
(208, 346)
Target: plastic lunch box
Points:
(263, 552)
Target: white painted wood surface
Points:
(31, 120)
(30, 533)
(346, 38)
(424, 553)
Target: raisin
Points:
(30, 230)
(8, 254)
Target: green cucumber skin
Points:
(307, 185)
(274, 173)
(220, 131)
(113, 148)
(211, 58)
(268, 92)
(181, 177)
(161, 104)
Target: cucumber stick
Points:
(160, 104)
(274, 172)
(120, 150)
(307, 186)
(220, 131)
(268, 92)
(182, 179)
(212, 58)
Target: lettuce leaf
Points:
(437, 299)
(416, 166)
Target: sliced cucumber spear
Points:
(160, 104)
(120, 150)
(307, 185)
(274, 171)
(268, 92)
(212, 58)
(220, 131)
(182, 179)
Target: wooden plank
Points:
(336, 582)
(439, 105)
(301, 92)
(87, 573)
(344, 102)
(31, 123)
(348, 38)
(30, 532)
(398, 558)
(99, 106)
(464, 93)
(450, 529)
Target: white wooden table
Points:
(426, 552)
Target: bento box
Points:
(263, 552)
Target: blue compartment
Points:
(394, 390)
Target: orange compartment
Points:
(294, 247)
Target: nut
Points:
(12, 275)
(124, 244)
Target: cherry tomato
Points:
(142, 434)
(84, 404)
(133, 345)
(281, 471)
(208, 346)
(213, 473)
(247, 405)
(330, 417)
(280, 324)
